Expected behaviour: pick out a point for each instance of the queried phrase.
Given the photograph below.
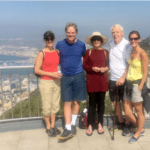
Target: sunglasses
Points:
(48, 39)
(135, 39)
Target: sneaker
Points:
(65, 135)
(56, 130)
(133, 139)
(115, 128)
(119, 126)
(125, 131)
(142, 133)
(74, 130)
(51, 132)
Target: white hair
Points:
(118, 26)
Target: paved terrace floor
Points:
(37, 139)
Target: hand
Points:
(102, 69)
(140, 88)
(120, 82)
(56, 75)
(96, 69)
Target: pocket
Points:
(57, 81)
(136, 87)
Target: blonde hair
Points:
(118, 26)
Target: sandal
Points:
(100, 129)
(91, 132)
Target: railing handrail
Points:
(19, 96)
(16, 67)
(21, 67)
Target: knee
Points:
(67, 104)
(127, 113)
(139, 113)
(76, 103)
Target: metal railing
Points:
(20, 87)
(16, 88)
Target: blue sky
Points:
(30, 19)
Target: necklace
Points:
(133, 51)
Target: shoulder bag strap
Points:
(58, 52)
(90, 52)
(43, 54)
(105, 53)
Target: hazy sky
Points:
(30, 19)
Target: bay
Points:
(7, 60)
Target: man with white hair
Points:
(119, 53)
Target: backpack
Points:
(83, 119)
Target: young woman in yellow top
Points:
(136, 73)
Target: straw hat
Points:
(88, 39)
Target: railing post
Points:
(36, 97)
(2, 92)
(11, 92)
(20, 91)
(29, 92)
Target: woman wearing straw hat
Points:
(96, 65)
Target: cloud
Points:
(17, 39)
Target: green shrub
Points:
(34, 104)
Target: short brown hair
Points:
(70, 24)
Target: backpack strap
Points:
(103, 50)
(58, 52)
(105, 53)
(90, 52)
(43, 53)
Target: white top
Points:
(118, 58)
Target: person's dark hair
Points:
(134, 32)
(49, 35)
(98, 38)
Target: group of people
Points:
(128, 65)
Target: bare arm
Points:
(38, 70)
(122, 79)
(145, 63)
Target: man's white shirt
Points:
(118, 58)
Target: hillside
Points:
(36, 107)
(145, 42)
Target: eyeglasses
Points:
(135, 39)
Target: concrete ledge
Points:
(39, 123)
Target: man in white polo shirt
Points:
(119, 53)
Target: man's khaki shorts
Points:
(50, 96)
